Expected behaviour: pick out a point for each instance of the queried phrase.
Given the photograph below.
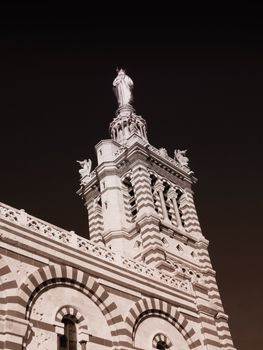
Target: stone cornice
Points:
(145, 153)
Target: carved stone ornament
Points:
(180, 157)
(85, 167)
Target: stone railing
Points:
(70, 238)
(191, 274)
(157, 275)
(163, 153)
(20, 217)
(87, 246)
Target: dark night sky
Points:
(198, 83)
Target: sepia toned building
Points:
(141, 280)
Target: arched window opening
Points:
(167, 202)
(161, 342)
(68, 341)
(153, 181)
(179, 195)
(99, 201)
(125, 128)
(161, 345)
(131, 201)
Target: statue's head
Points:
(120, 71)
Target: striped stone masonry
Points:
(95, 220)
(142, 281)
(149, 226)
(149, 307)
(214, 326)
(163, 339)
(172, 196)
(160, 204)
(8, 287)
(68, 276)
(129, 200)
(153, 251)
(189, 215)
(60, 275)
(209, 331)
(12, 326)
(73, 313)
(142, 187)
(127, 206)
(209, 274)
(68, 238)
(223, 331)
(157, 204)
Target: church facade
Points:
(143, 280)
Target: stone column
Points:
(84, 338)
(172, 195)
(159, 187)
(144, 132)
(123, 131)
(83, 345)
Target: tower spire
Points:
(126, 125)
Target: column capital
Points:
(159, 186)
(171, 193)
(84, 336)
(184, 199)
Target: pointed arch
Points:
(68, 276)
(155, 307)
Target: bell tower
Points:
(139, 199)
(140, 205)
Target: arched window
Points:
(167, 202)
(68, 341)
(130, 201)
(161, 342)
(155, 201)
(161, 345)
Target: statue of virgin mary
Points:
(122, 86)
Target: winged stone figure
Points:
(85, 167)
(179, 156)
